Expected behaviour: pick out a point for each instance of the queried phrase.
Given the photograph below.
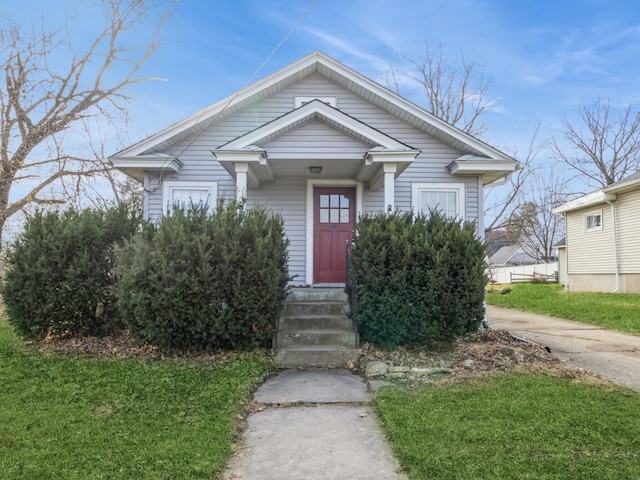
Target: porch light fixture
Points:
(315, 170)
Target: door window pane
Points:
(324, 201)
(324, 215)
(344, 215)
(335, 200)
(344, 201)
(335, 215)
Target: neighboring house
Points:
(562, 261)
(602, 244)
(512, 256)
(320, 144)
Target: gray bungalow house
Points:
(320, 144)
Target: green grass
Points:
(514, 426)
(616, 311)
(95, 418)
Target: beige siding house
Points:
(602, 246)
(320, 144)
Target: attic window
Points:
(299, 101)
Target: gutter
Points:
(615, 245)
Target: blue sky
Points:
(546, 57)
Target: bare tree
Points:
(47, 105)
(501, 208)
(540, 229)
(604, 146)
(455, 91)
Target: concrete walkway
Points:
(316, 424)
(612, 355)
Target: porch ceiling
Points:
(331, 168)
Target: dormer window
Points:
(299, 101)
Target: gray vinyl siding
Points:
(287, 195)
(288, 198)
(316, 138)
(153, 196)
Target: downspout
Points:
(615, 245)
(566, 254)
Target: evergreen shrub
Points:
(61, 275)
(416, 279)
(201, 281)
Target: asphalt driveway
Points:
(610, 354)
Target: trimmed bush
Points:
(61, 273)
(416, 279)
(201, 281)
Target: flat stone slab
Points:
(320, 442)
(313, 386)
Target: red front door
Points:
(334, 211)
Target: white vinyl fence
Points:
(524, 273)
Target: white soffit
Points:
(490, 169)
(136, 166)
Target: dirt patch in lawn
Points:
(124, 345)
(477, 354)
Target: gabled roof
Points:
(604, 195)
(512, 254)
(246, 148)
(348, 79)
(317, 110)
(631, 182)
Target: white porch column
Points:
(242, 170)
(389, 170)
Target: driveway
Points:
(612, 355)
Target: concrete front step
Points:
(317, 295)
(294, 309)
(325, 337)
(316, 356)
(314, 330)
(315, 322)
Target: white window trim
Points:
(590, 214)
(169, 185)
(299, 101)
(459, 188)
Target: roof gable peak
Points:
(312, 110)
(321, 63)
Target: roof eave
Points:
(135, 167)
(598, 197)
(490, 169)
(624, 185)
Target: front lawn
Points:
(616, 311)
(514, 426)
(70, 417)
